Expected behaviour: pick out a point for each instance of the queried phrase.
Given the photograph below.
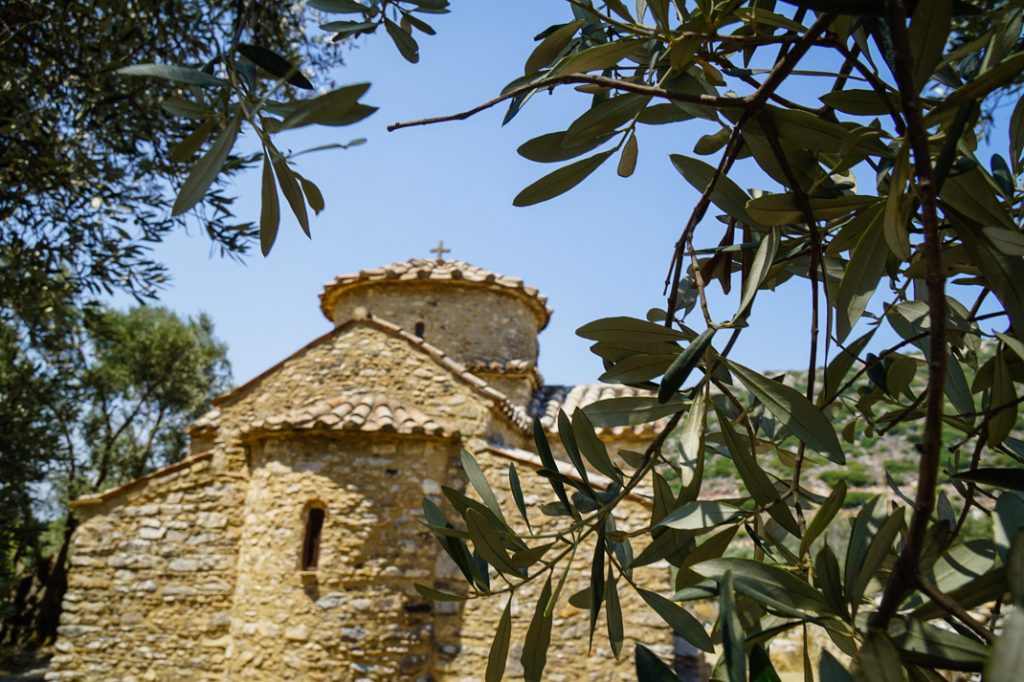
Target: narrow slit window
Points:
(311, 544)
(420, 328)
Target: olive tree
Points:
(872, 188)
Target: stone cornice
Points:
(433, 272)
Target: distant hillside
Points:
(879, 459)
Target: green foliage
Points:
(88, 155)
(856, 499)
(104, 400)
(147, 375)
(949, 386)
(245, 88)
(855, 475)
(105, 106)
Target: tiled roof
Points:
(427, 270)
(548, 400)
(513, 367)
(354, 411)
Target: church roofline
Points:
(502, 404)
(237, 391)
(434, 272)
(513, 368)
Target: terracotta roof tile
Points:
(510, 367)
(435, 271)
(354, 411)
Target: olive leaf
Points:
(559, 181)
(795, 411)
(206, 169)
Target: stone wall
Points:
(357, 615)
(471, 323)
(518, 387)
(152, 579)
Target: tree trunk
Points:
(48, 616)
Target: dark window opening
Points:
(391, 472)
(311, 544)
(418, 607)
(420, 329)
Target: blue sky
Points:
(600, 250)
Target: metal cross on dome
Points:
(440, 251)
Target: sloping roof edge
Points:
(96, 499)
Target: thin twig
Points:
(978, 301)
(898, 419)
(955, 610)
(877, 84)
(754, 101)
(752, 104)
(988, 415)
(775, 97)
(786, 63)
(577, 78)
(698, 279)
(868, 364)
(802, 200)
(971, 485)
(732, 149)
(845, 69)
(636, 29)
(784, 39)
(992, 411)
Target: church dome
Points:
(434, 272)
(476, 317)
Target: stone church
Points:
(287, 544)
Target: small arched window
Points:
(311, 540)
(420, 328)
